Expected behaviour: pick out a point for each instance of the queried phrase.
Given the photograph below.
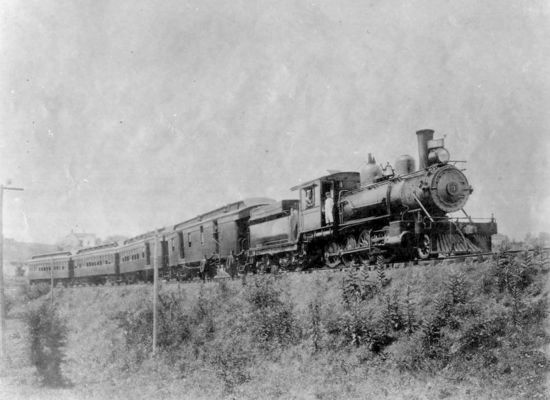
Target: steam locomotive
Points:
(399, 213)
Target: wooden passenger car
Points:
(213, 235)
(41, 268)
(97, 264)
(136, 256)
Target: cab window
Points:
(308, 197)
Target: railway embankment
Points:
(465, 330)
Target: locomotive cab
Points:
(313, 198)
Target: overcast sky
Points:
(118, 117)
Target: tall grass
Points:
(473, 328)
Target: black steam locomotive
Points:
(399, 213)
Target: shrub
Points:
(174, 327)
(515, 272)
(480, 334)
(231, 357)
(34, 291)
(356, 287)
(137, 329)
(407, 354)
(315, 324)
(381, 275)
(9, 302)
(392, 316)
(456, 288)
(410, 318)
(271, 320)
(48, 336)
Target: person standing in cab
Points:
(329, 206)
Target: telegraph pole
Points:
(51, 283)
(2, 299)
(155, 294)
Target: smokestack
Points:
(423, 137)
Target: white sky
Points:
(121, 116)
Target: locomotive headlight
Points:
(439, 155)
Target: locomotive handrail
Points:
(362, 220)
(467, 216)
(460, 219)
(423, 209)
(382, 182)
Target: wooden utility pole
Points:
(2, 299)
(51, 283)
(155, 294)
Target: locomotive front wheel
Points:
(424, 247)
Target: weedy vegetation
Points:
(47, 335)
(454, 331)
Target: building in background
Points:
(74, 241)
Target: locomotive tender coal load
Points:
(349, 218)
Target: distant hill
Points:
(17, 253)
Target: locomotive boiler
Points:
(407, 208)
(436, 187)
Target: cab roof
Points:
(338, 176)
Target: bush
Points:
(367, 320)
(34, 291)
(315, 326)
(346, 330)
(48, 336)
(9, 302)
(357, 288)
(271, 320)
(231, 358)
(174, 327)
(407, 354)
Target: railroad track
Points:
(442, 260)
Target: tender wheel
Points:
(424, 247)
(332, 255)
(285, 261)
